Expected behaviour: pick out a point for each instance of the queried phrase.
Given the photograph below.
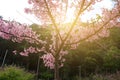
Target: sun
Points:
(70, 15)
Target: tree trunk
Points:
(4, 58)
(56, 73)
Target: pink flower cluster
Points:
(29, 50)
(17, 32)
(27, 10)
(61, 58)
(98, 29)
(48, 60)
(62, 54)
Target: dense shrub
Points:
(115, 76)
(15, 73)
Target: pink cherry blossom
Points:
(92, 31)
(48, 60)
(27, 10)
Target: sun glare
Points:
(11, 11)
(87, 16)
(97, 10)
(69, 15)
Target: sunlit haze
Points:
(14, 10)
(92, 14)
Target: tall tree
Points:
(55, 12)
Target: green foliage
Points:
(46, 75)
(43, 31)
(112, 59)
(100, 56)
(15, 73)
(115, 76)
(99, 77)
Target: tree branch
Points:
(87, 6)
(93, 33)
(100, 45)
(37, 41)
(72, 26)
(52, 19)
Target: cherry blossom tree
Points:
(16, 32)
(55, 12)
(64, 37)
